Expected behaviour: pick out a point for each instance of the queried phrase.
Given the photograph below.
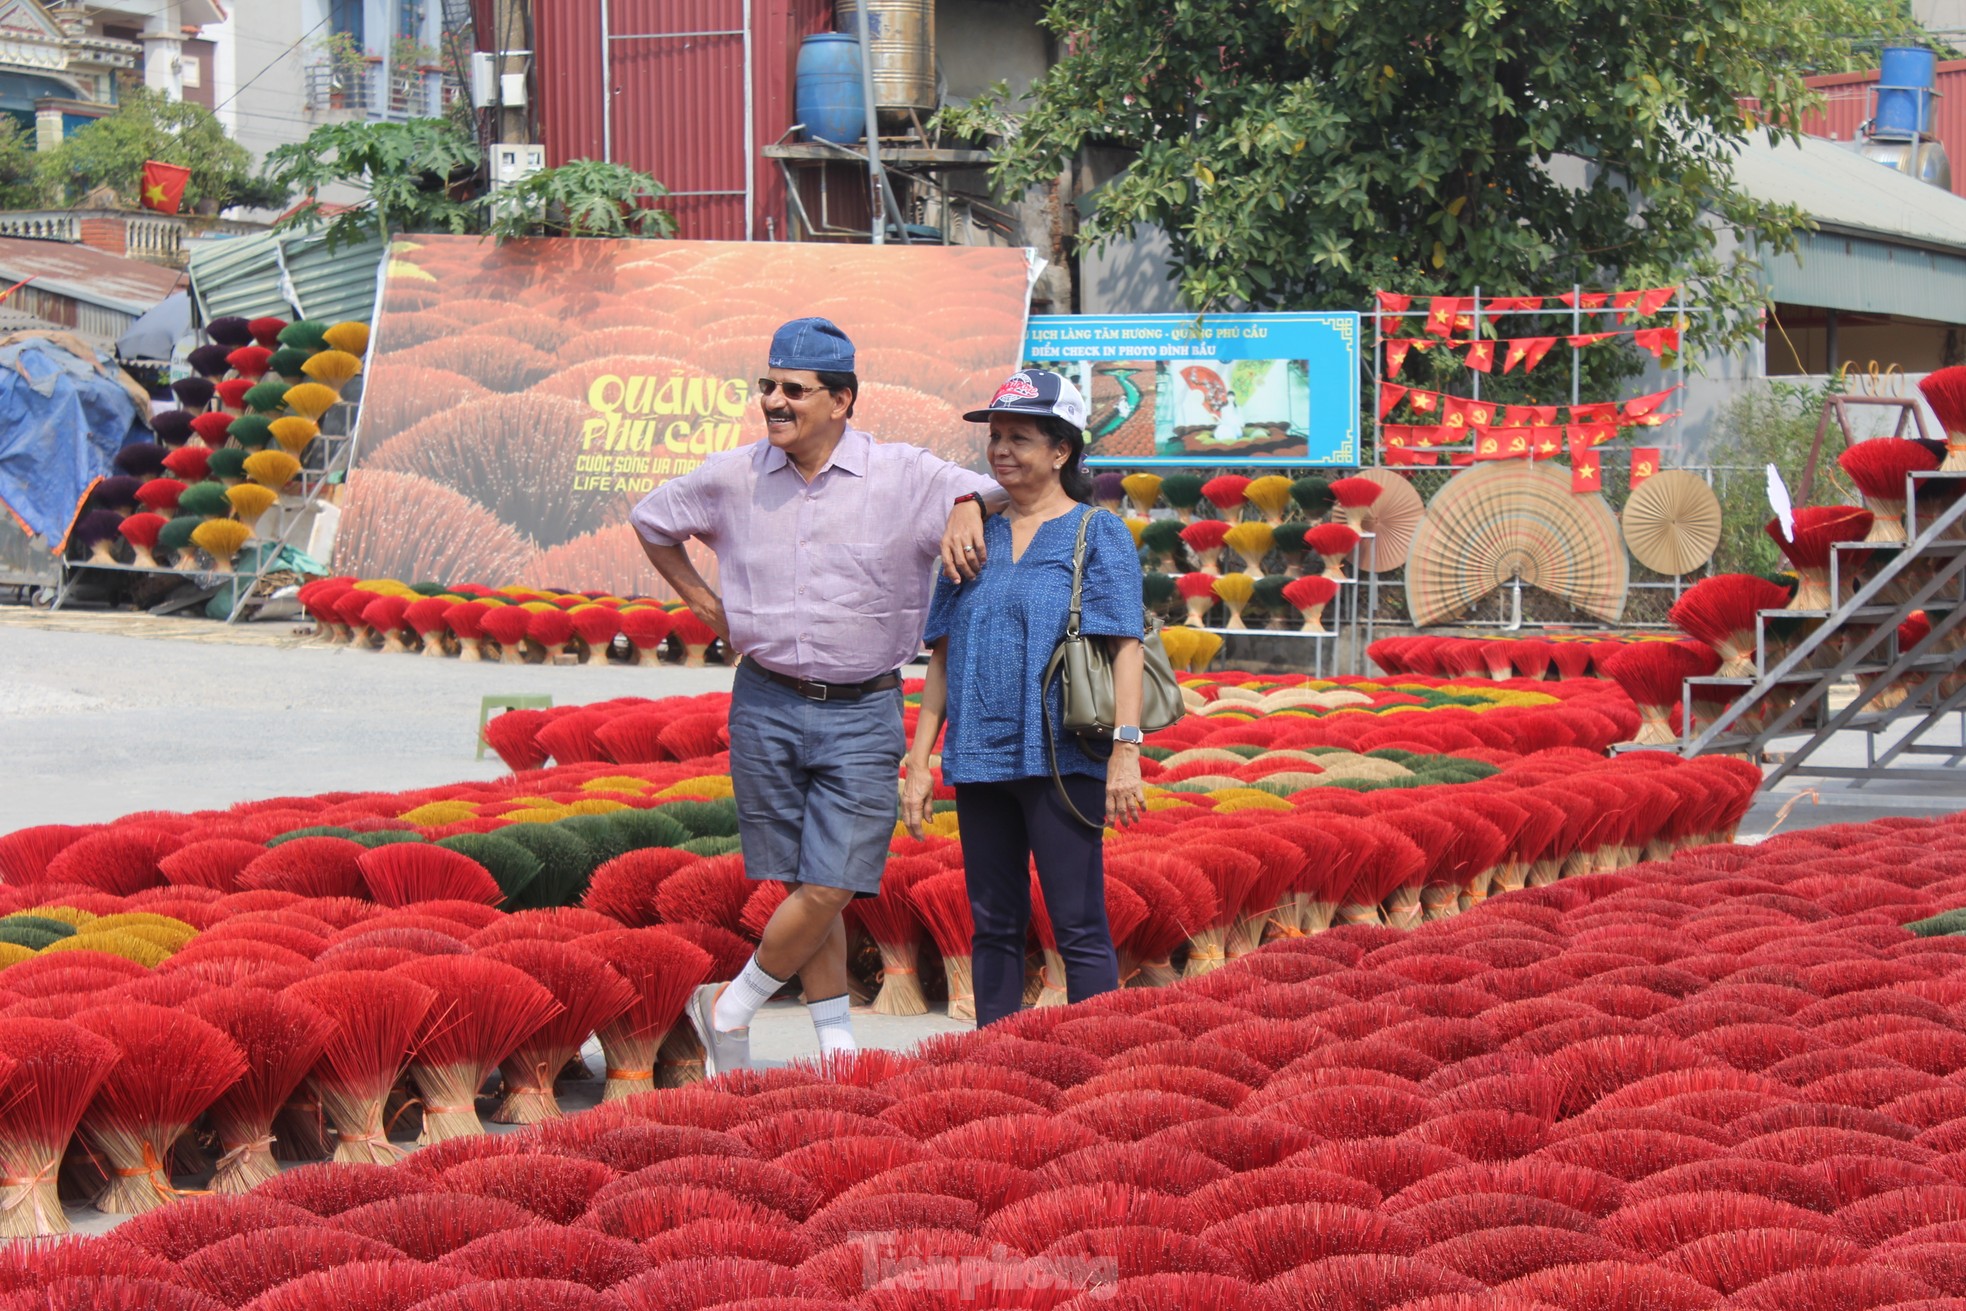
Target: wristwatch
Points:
(972, 496)
(1129, 734)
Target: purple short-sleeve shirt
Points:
(827, 580)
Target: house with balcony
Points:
(62, 64)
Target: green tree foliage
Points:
(583, 198)
(417, 175)
(148, 125)
(422, 176)
(1772, 422)
(1304, 152)
(19, 187)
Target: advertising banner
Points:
(523, 396)
(1214, 390)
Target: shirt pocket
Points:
(855, 576)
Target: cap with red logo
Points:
(1037, 392)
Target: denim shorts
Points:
(817, 783)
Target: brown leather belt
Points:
(815, 691)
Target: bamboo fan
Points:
(1495, 522)
(1391, 520)
(1672, 522)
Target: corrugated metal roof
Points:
(92, 277)
(1846, 193)
(285, 274)
(1867, 276)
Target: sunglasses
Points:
(794, 391)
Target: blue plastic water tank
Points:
(828, 99)
(1904, 92)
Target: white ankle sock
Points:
(751, 989)
(833, 1024)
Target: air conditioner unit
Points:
(515, 161)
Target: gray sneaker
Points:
(723, 1050)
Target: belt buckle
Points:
(825, 692)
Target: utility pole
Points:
(511, 32)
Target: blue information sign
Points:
(1214, 390)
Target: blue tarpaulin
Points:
(62, 420)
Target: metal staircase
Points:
(1790, 695)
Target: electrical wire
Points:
(268, 67)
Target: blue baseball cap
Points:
(1035, 391)
(815, 344)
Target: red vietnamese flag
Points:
(1443, 312)
(1639, 406)
(1411, 456)
(1517, 352)
(1426, 437)
(1590, 300)
(1460, 459)
(1396, 348)
(1654, 299)
(1623, 302)
(1423, 402)
(1657, 340)
(1586, 475)
(1645, 463)
(1389, 397)
(1583, 339)
(1538, 348)
(1548, 441)
(1393, 302)
(1515, 304)
(1599, 413)
(163, 186)
(1481, 356)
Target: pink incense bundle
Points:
(281, 1037)
(1653, 675)
(591, 996)
(170, 1067)
(403, 873)
(1198, 590)
(1818, 528)
(377, 1017)
(942, 901)
(384, 616)
(595, 626)
(550, 630)
(428, 618)
(466, 622)
(1356, 497)
(1945, 391)
(1204, 537)
(1882, 469)
(662, 970)
(1333, 542)
(1310, 596)
(49, 1072)
(889, 919)
(1226, 493)
(484, 1010)
(1722, 611)
(695, 635)
(506, 625)
(646, 628)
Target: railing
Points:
(62, 226)
(373, 90)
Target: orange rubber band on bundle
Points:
(641, 1074)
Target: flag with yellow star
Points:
(163, 186)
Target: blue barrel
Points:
(829, 99)
(1904, 92)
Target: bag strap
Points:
(1051, 743)
(1078, 577)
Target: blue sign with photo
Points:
(1210, 390)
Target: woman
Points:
(992, 637)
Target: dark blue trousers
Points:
(1005, 825)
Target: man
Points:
(826, 544)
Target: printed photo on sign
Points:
(1211, 390)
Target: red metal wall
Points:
(678, 102)
(1849, 105)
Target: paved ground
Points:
(96, 722)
